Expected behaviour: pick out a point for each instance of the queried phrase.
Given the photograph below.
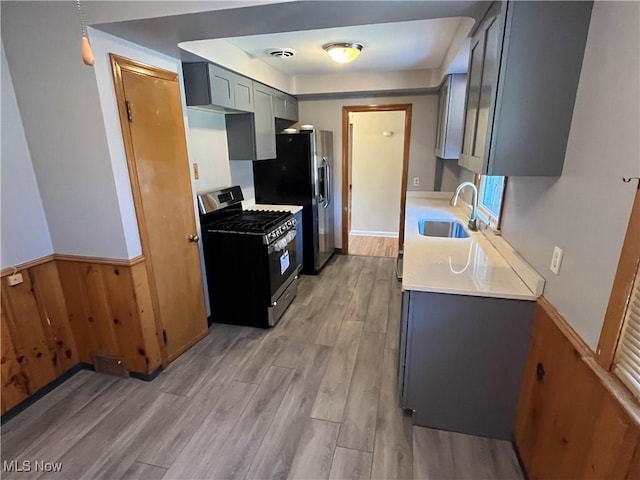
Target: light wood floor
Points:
(373, 246)
(313, 398)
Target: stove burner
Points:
(251, 221)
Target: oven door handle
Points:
(283, 242)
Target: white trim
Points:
(367, 233)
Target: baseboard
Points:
(27, 402)
(370, 233)
(147, 377)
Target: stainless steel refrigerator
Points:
(302, 174)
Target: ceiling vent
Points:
(282, 52)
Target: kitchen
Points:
(586, 210)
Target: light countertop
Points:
(463, 266)
(278, 208)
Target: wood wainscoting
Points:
(574, 419)
(67, 310)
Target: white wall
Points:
(206, 143)
(586, 211)
(450, 175)
(376, 172)
(208, 148)
(24, 231)
(242, 174)
(327, 115)
(58, 101)
(366, 82)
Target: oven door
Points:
(283, 263)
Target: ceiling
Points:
(410, 45)
(164, 33)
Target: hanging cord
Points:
(87, 54)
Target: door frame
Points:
(346, 165)
(118, 64)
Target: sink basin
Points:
(442, 228)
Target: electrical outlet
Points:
(196, 171)
(15, 279)
(416, 181)
(556, 260)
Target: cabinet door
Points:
(491, 64)
(265, 128)
(279, 106)
(441, 129)
(484, 64)
(291, 112)
(243, 90)
(402, 355)
(222, 87)
(471, 107)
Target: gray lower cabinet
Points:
(524, 67)
(461, 361)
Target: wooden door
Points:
(152, 125)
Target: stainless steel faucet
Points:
(473, 218)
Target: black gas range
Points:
(250, 259)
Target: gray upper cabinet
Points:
(450, 117)
(222, 87)
(291, 109)
(285, 107)
(251, 109)
(215, 88)
(243, 91)
(279, 106)
(252, 136)
(524, 68)
(265, 127)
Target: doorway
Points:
(151, 118)
(375, 157)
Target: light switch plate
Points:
(556, 260)
(15, 279)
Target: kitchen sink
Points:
(442, 228)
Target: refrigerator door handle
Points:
(327, 183)
(322, 184)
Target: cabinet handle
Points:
(194, 238)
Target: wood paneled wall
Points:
(38, 345)
(574, 420)
(67, 310)
(110, 309)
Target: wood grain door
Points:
(153, 130)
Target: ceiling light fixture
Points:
(343, 52)
(282, 52)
